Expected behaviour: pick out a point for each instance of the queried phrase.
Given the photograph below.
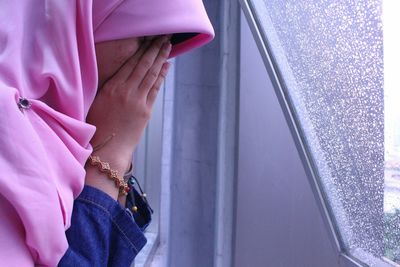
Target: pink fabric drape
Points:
(156, 17)
(47, 57)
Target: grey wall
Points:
(278, 222)
(194, 153)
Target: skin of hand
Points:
(130, 76)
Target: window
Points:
(327, 61)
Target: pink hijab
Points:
(47, 58)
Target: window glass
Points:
(329, 55)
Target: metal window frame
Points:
(228, 134)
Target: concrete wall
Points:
(194, 153)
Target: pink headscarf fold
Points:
(137, 18)
(47, 56)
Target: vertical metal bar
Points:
(227, 134)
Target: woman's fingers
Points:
(154, 72)
(152, 95)
(125, 71)
(146, 63)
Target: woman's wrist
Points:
(119, 159)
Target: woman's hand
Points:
(123, 105)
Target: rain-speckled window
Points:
(328, 62)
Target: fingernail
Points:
(166, 66)
(167, 46)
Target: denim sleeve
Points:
(102, 232)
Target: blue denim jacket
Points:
(102, 232)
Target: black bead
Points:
(24, 103)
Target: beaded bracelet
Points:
(104, 167)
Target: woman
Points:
(48, 82)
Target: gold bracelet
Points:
(104, 167)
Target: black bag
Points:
(138, 205)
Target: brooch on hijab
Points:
(24, 103)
